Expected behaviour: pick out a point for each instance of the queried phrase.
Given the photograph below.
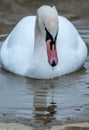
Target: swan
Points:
(39, 43)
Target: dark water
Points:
(41, 101)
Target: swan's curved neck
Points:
(40, 44)
(40, 52)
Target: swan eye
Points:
(48, 35)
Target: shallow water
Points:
(42, 101)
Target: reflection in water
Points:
(42, 101)
(45, 101)
(28, 98)
(43, 112)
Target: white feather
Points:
(24, 51)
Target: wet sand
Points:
(11, 11)
(17, 126)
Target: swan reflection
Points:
(41, 101)
(42, 111)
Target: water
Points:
(52, 72)
(46, 101)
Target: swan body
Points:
(25, 51)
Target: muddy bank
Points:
(17, 126)
(11, 11)
(76, 126)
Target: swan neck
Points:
(39, 38)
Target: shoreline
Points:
(19, 126)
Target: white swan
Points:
(39, 43)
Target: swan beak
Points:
(52, 53)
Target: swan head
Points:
(48, 25)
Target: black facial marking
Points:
(56, 36)
(49, 37)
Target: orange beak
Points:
(52, 53)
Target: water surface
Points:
(45, 101)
